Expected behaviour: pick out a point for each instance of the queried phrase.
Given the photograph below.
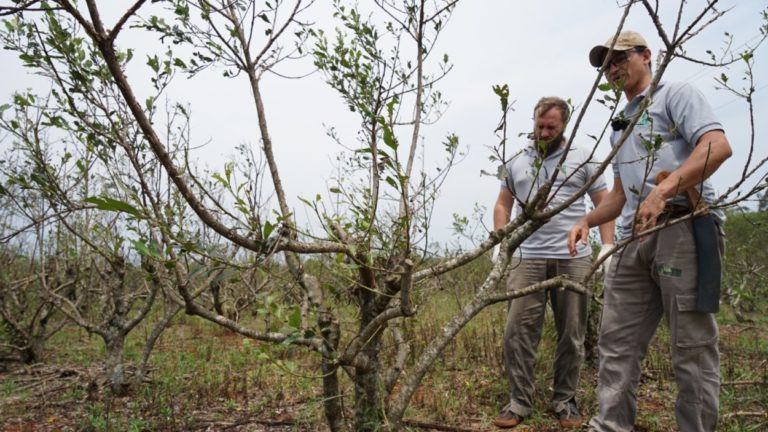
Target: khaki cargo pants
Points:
(525, 319)
(651, 279)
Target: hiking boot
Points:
(507, 419)
(569, 417)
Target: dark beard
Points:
(546, 148)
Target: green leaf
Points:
(216, 176)
(306, 201)
(154, 63)
(23, 100)
(502, 91)
(295, 319)
(182, 11)
(142, 248)
(391, 106)
(267, 230)
(27, 59)
(109, 204)
(293, 337)
(605, 87)
(389, 138)
(657, 142)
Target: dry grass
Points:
(205, 378)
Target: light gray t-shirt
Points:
(524, 179)
(675, 120)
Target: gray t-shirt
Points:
(524, 179)
(675, 120)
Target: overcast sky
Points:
(539, 48)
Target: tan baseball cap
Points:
(625, 41)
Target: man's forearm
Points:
(606, 212)
(712, 150)
(607, 231)
(502, 209)
(500, 217)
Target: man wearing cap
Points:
(543, 255)
(676, 135)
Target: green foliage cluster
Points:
(745, 274)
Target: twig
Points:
(436, 426)
(242, 422)
(25, 7)
(740, 383)
(746, 414)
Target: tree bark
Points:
(369, 402)
(332, 402)
(115, 368)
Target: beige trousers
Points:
(651, 279)
(525, 318)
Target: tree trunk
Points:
(369, 402)
(218, 305)
(595, 310)
(157, 330)
(33, 352)
(369, 406)
(115, 367)
(334, 411)
(370, 410)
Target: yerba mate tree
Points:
(105, 227)
(371, 227)
(83, 261)
(27, 319)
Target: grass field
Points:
(205, 378)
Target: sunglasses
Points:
(620, 58)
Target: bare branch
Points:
(123, 19)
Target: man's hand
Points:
(579, 232)
(649, 211)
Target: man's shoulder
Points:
(676, 89)
(579, 153)
(519, 155)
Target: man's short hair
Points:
(547, 103)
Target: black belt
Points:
(674, 211)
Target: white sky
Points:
(539, 48)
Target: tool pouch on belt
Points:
(706, 236)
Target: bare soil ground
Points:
(218, 391)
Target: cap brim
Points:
(597, 55)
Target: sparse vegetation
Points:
(203, 376)
(139, 292)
